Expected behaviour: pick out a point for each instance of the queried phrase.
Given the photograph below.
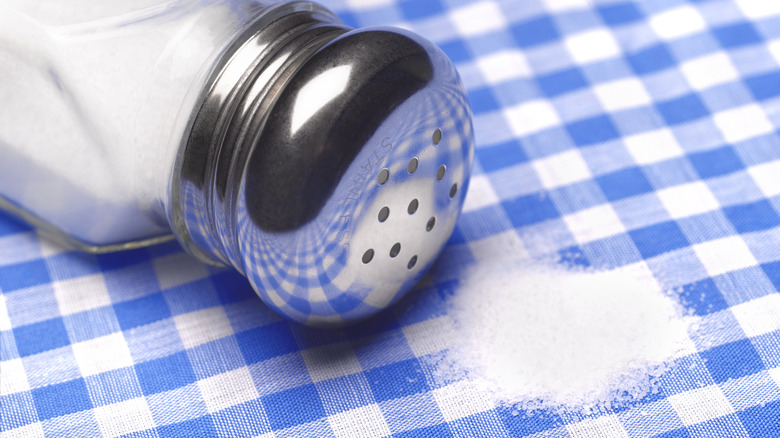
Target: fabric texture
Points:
(611, 132)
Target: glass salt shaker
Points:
(326, 164)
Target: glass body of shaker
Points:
(96, 97)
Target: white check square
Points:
(622, 94)
(774, 373)
(724, 255)
(502, 66)
(124, 417)
(530, 117)
(34, 430)
(688, 199)
(80, 294)
(742, 123)
(592, 45)
(566, 5)
(701, 404)
(331, 361)
(759, 8)
(594, 223)
(461, 399)
(710, 70)
(678, 22)
(774, 47)
(202, 326)
(478, 18)
(228, 389)
(102, 354)
(607, 426)
(5, 320)
(767, 177)
(429, 336)
(494, 247)
(362, 422)
(368, 4)
(562, 169)
(13, 378)
(759, 316)
(480, 194)
(653, 146)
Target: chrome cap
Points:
(354, 179)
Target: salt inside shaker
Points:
(326, 164)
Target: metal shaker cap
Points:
(356, 182)
(328, 165)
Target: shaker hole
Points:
(383, 176)
(413, 206)
(431, 223)
(440, 172)
(412, 262)
(383, 214)
(436, 136)
(453, 190)
(413, 165)
(368, 256)
(395, 250)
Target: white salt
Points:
(547, 337)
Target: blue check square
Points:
(594, 130)
(682, 109)
(674, 433)
(482, 101)
(755, 216)
(262, 343)
(716, 162)
(624, 183)
(735, 35)
(772, 271)
(732, 360)
(501, 156)
(703, 297)
(201, 426)
(658, 239)
(620, 13)
(61, 399)
(764, 86)
(396, 380)
(562, 82)
(651, 60)
(762, 420)
(535, 32)
(23, 275)
(41, 336)
(141, 311)
(456, 50)
(438, 431)
(165, 374)
(530, 209)
(10, 225)
(293, 406)
(415, 10)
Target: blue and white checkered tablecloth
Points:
(619, 131)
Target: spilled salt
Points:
(547, 337)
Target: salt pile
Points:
(545, 337)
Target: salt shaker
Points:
(326, 164)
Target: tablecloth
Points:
(618, 131)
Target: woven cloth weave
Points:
(620, 131)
